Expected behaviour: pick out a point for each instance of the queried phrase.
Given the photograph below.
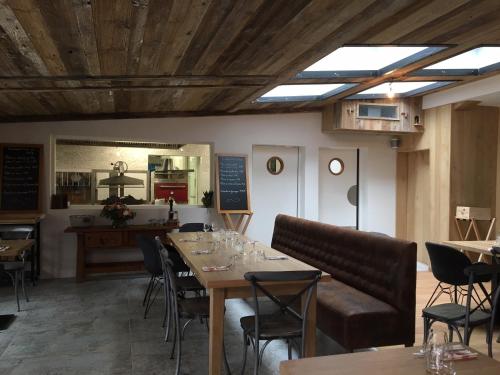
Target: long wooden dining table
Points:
(230, 283)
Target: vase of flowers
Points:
(118, 213)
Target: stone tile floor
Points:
(96, 328)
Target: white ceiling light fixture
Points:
(393, 88)
(390, 93)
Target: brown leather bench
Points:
(371, 298)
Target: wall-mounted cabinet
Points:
(377, 115)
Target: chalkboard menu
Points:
(20, 173)
(232, 184)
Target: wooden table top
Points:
(398, 361)
(481, 247)
(234, 276)
(16, 247)
(20, 218)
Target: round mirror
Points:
(275, 165)
(336, 166)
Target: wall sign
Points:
(21, 170)
(232, 184)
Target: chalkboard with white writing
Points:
(20, 172)
(232, 184)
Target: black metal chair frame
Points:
(152, 263)
(16, 272)
(467, 316)
(283, 308)
(184, 287)
(176, 311)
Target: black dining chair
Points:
(184, 283)
(453, 267)
(489, 314)
(448, 265)
(152, 264)
(191, 227)
(284, 323)
(182, 308)
(16, 271)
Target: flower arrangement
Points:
(118, 213)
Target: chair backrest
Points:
(448, 264)
(191, 227)
(149, 249)
(16, 232)
(284, 306)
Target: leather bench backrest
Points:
(381, 266)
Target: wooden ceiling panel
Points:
(102, 58)
(112, 30)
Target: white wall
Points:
(227, 134)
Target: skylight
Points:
(363, 58)
(474, 59)
(397, 87)
(301, 90)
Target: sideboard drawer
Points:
(103, 239)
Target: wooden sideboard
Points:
(99, 237)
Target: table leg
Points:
(80, 259)
(310, 340)
(216, 331)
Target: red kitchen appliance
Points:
(166, 189)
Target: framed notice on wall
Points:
(231, 175)
(21, 171)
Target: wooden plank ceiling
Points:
(74, 59)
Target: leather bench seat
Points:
(348, 313)
(371, 299)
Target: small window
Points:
(336, 166)
(378, 111)
(275, 165)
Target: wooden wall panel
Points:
(473, 160)
(462, 146)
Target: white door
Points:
(272, 194)
(337, 186)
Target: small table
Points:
(231, 284)
(398, 361)
(28, 220)
(106, 237)
(16, 248)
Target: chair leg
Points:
(450, 333)
(489, 339)
(147, 291)
(256, 359)
(150, 302)
(178, 341)
(22, 285)
(16, 291)
(289, 343)
(245, 350)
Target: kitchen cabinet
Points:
(403, 115)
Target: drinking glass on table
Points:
(215, 227)
(436, 353)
